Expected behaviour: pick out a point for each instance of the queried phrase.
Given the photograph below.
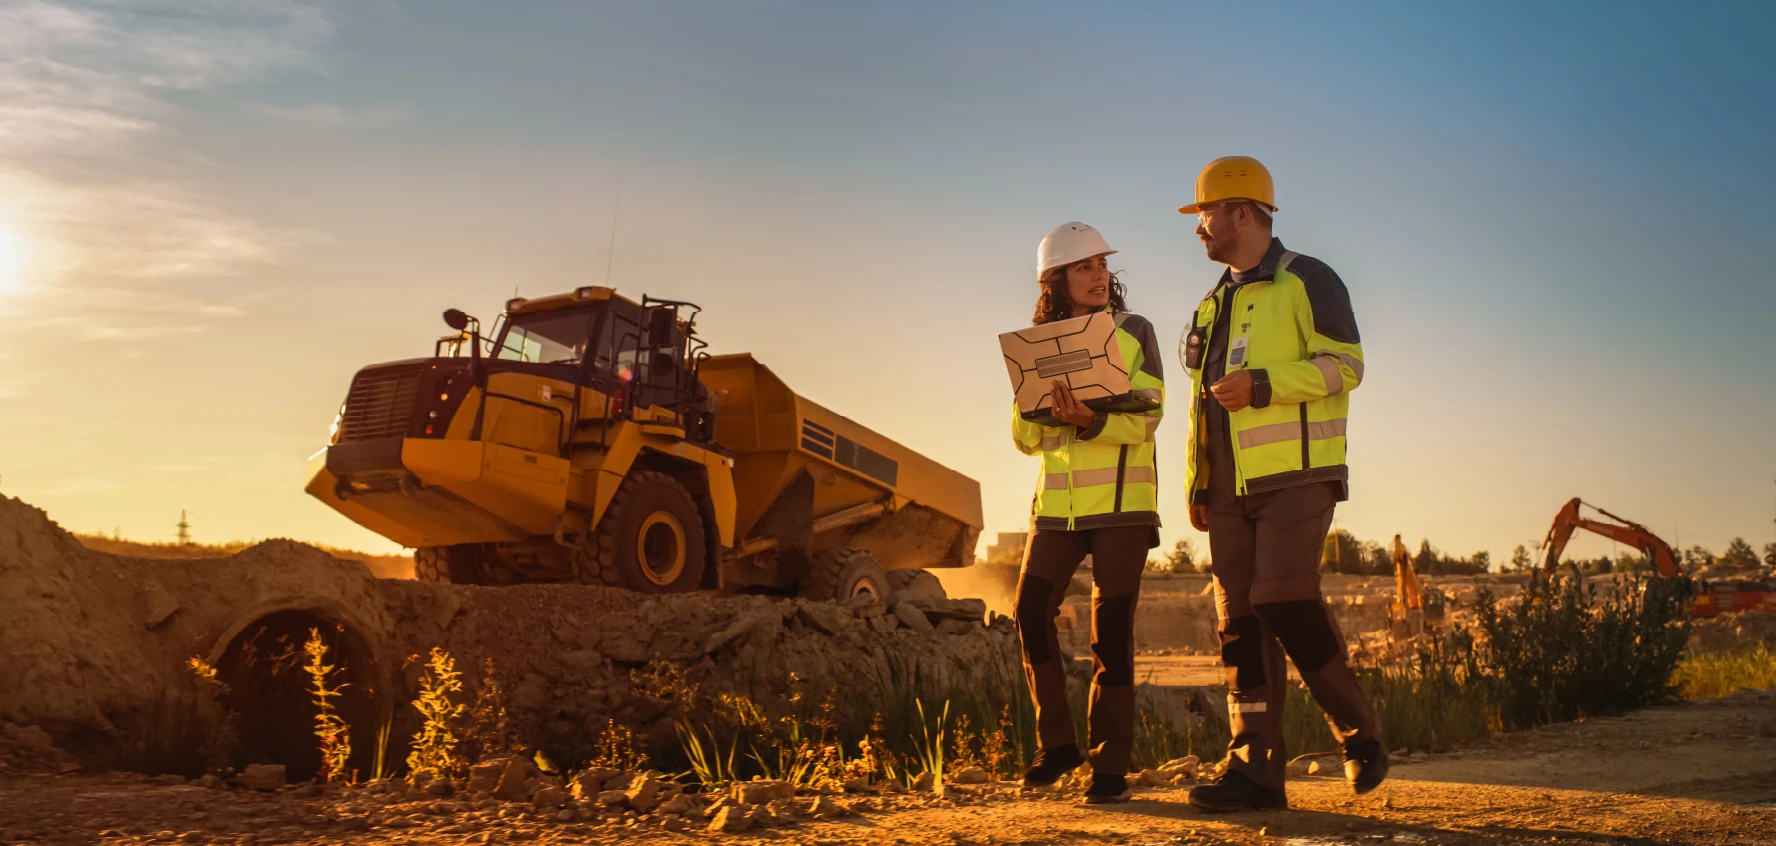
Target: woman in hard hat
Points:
(1098, 496)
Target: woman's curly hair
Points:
(1052, 304)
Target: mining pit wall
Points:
(95, 650)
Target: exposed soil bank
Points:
(97, 645)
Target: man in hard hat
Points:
(1273, 355)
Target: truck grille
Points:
(380, 405)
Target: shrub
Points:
(1565, 651)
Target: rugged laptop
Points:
(1082, 352)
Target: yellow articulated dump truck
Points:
(589, 438)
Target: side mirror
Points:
(661, 322)
(456, 319)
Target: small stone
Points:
(549, 798)
(924, 781)
(969, 775)
(169, 778)
(643, 794)
(588, 783)
(673, 822)
(856, 785)
(1151, 778)
(209, 780)
(825, 809)
(680, 804)
(565, 815)
(912, 617)
(513, 782)
(759, 792)
(865, 606)
(614, 798)
(1188, 763)
(731, 818)
(262, 777)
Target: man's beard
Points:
(1221, 249)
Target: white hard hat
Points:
(1068, 243)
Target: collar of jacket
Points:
(1264, 272)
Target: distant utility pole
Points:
(184, 529)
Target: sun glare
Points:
(13, 253)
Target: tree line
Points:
(1346, 554)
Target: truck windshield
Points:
(548, 337)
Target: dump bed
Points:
(929, 515)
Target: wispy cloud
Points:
(90, 168)
(330, 116)
(126, 313)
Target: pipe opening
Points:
(271, 698)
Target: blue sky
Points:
(1551, 218)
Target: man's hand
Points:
(1069, 409)
(1234, 391)
(1199, 517)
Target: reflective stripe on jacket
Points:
(1102, 475)
(1298, 337)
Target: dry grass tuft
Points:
(1706, 676)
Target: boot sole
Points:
(1234, 809)
(1108, 800)
(1038, 785)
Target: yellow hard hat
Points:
(1233, 178)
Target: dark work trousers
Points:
(1118, 555)
(1265, 555)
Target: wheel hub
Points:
(660, 548)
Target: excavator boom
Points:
(1623, 531)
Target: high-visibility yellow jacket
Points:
(1294, 330)
(1104, 474)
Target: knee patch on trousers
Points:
(1242, 650)
(1113, 628)
(1034, 616)
(1304, 630)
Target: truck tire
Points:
(916, 582)
(839, 574)
(649, 541)
(463, 564)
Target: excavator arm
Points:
(1622, 531)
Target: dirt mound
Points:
(1731, 632)
(101, 643)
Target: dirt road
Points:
(1702, 773)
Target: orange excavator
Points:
(1623, 531)
(1711, 600)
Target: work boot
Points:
(1236, 791)
(1106, 789)
(1365, 765)
(1051, 764)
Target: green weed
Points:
(330, 728)
(434, 745)
(1706, 676)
